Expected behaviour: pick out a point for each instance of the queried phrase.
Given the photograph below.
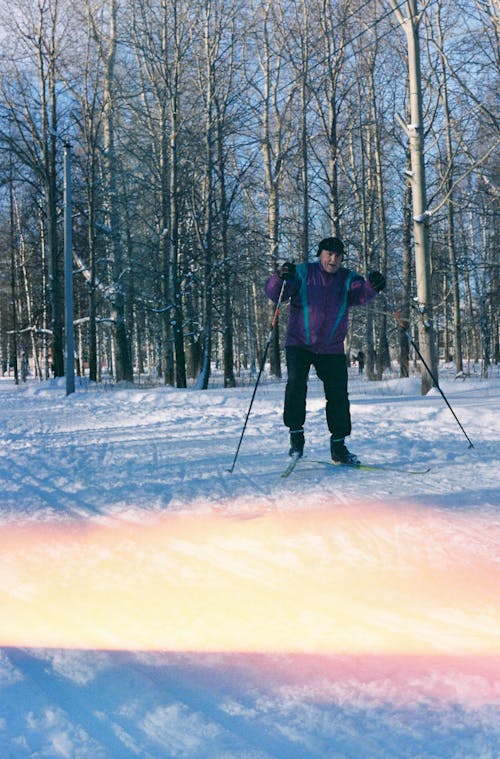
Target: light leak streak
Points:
(358, 579)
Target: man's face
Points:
(330, 262)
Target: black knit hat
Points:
(332, 245)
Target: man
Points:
(320, 294)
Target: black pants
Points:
(332, 371)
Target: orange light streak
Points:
(347, 579)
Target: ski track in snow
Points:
(157, 449)
(131, 456)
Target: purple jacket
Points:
(319, 305)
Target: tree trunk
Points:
(415, 131)
(450, 210)
(383, 359)
(404, 344)
(123, 368)
(13, 348)
(47, 76)
(92, 336)
(172, 29)
(207, 235)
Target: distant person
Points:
(360, 358)
(320, 293)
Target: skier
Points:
(320, 293)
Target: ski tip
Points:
(291, 466)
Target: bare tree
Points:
(205, 227)
(30, 98)
(84, 80)
(410, 19)
(448, 180)
(213, 138)
(329, 93)
(274, 98)
(162, 33)
(123, 369)
(226, 122)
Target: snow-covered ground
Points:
(155, 605)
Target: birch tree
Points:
(410, 19)
(207, 128)
(205, 220)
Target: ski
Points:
(364, 467)
(291, 466)
(372, 467)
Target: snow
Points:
(155, 605)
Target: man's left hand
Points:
(377, 280)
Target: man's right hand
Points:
(287, 270)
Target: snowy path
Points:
(154, 605)
(153, 449)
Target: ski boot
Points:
(296, 443)
(341, 455)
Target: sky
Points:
(154, 604)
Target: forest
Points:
(204, 142)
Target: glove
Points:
(287, 270)
(377, 280)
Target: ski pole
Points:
(436, 383)
(261, 369)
